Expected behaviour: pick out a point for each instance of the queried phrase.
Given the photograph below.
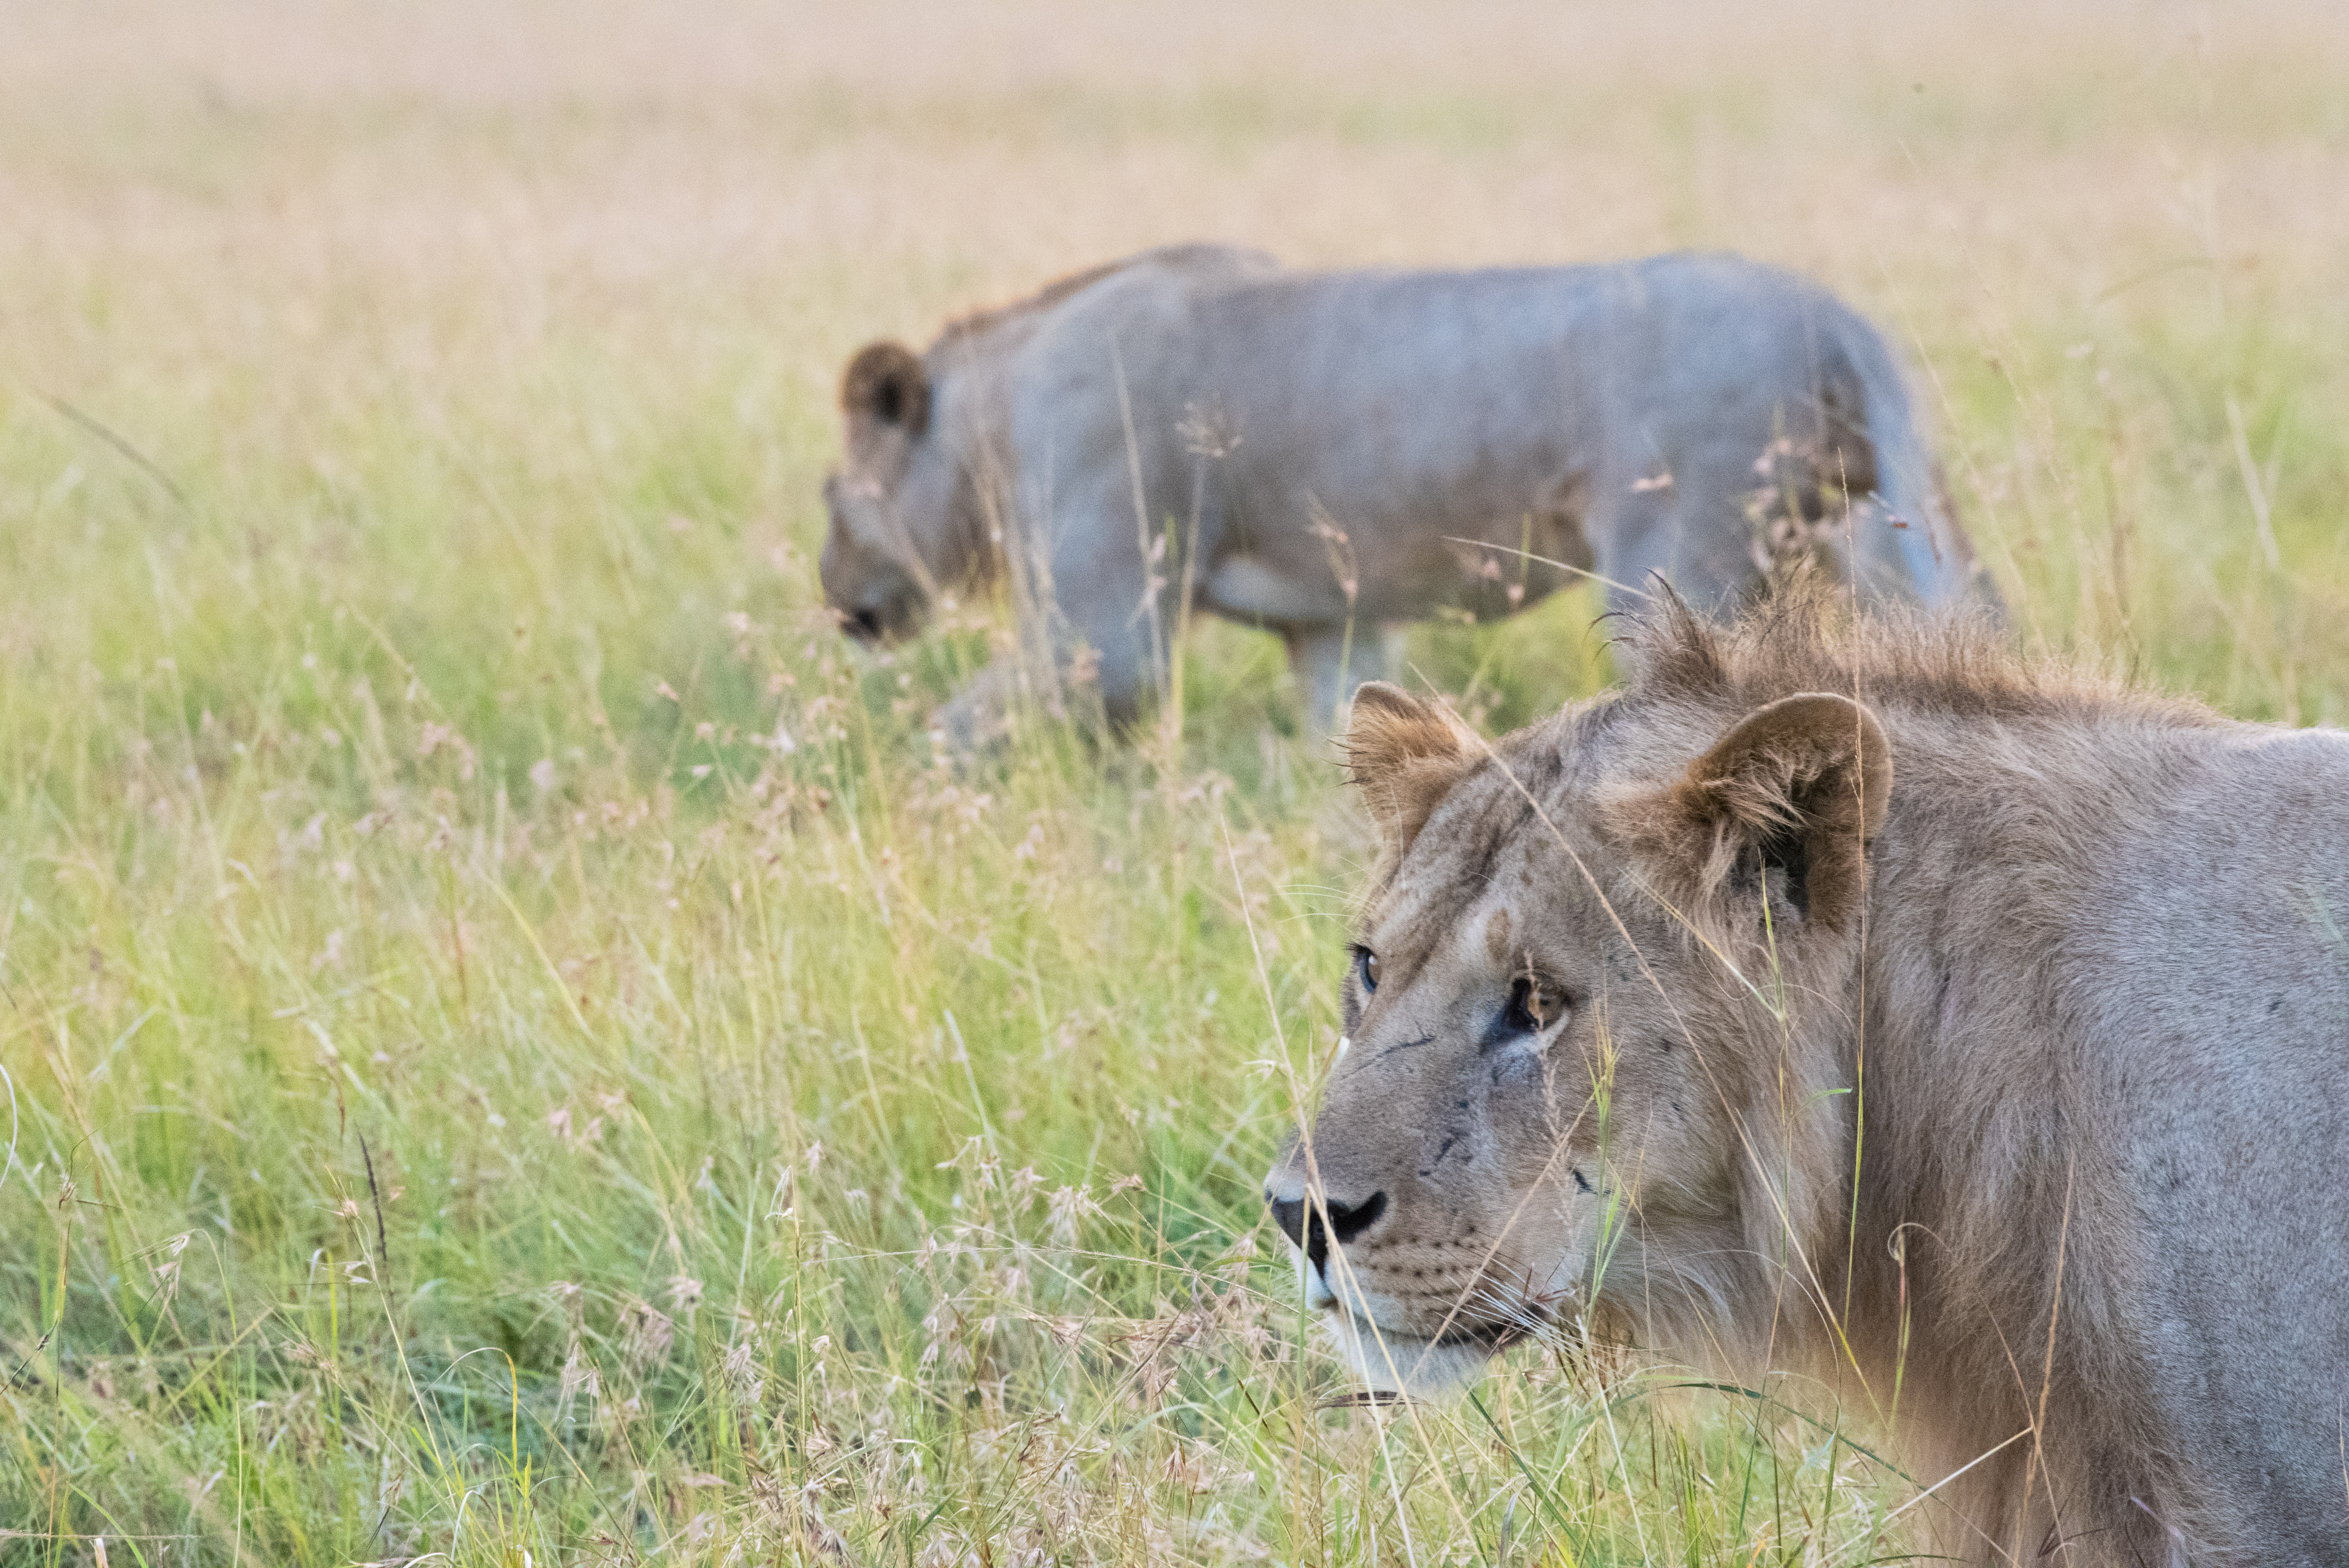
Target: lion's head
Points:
(905, 522)
(1554, 1102)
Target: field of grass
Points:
(509, 1051)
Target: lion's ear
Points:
(884, 391)
(1797, 787)
(1403, 754)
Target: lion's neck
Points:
(1968, 1201)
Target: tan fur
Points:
(1813, 768)
(1935, 1020)
(1194, 429)
(1405, 754)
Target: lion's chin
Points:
(1406, 1365)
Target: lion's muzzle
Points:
(1313, 1222)
(875, 598)
(1319, 1223)
(1410, 1305)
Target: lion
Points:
(1330, 455)
(1856, 998)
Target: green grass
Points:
(472, 1093)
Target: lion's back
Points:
(1385, 392)
(1311, 347)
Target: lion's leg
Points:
(1697, 542)
(1084, 649)
(1064, 676)
(978, 718)
(1104, 604)
(1119, 658)
(1329, 662)
(1392, 659)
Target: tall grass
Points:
(512, 1049)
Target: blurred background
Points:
(509, 1045)
(615, 255)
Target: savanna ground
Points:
(512, 1053)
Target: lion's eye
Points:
(1366, 964)
(1533, 1007)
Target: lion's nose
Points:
(1302, 1220)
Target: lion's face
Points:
(1478, 1133)
(902, 524)
(1531, 1093)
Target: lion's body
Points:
(1312, 448)
(2060, 1105)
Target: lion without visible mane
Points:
(1330, 455)
(1967, 1025)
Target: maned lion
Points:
(1967, 1034)
(1328, 454)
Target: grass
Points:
(511, 1054)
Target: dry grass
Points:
(474, 1091)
